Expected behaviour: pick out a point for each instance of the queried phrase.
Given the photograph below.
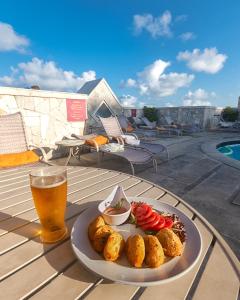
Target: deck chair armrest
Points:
(45, 156)
(95, 145)
(119, 139)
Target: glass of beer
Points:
(49, 191)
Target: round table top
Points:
(31, 270)
(70, 143)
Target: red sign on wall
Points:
(133, 112)
(76, 110)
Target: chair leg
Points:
(69, 156)
(132, 168)
(99, 158)
(167, 153)
(155, 165)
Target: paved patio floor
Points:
(209, 185)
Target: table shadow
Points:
(31, 231)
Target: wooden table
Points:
(29, 269)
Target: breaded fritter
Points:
(135, 250)
(94, 225)
(100, 237)
(154, 255)
(172, 246)
(114, 246)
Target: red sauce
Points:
(114, 211)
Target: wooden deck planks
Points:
(42, 269)
(20, 235)
(15, 182)
(109, 290)
(69, 285)
(30, 251)
(14, 200)
(24, 191)
(169, 199)
(23, 270)
(153, 193)
(220, 276)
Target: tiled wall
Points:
(44, 113)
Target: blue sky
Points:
(151, 52)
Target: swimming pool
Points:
(230, 149)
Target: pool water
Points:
(232, 151)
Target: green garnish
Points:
(119, 204)
(150, 232)
(132, 219)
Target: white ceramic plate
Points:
(121, 271)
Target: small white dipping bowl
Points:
(114, 219)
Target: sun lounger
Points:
(134, 155)
(113, 130)
(13, 138)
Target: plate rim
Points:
(143, 283)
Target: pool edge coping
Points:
(210, 149)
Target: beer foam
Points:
(48, 182)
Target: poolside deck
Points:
(209, 185)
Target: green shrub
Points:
(230, 114)
(150, 113)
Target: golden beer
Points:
(49, 191)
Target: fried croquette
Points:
(114, 246)
(100, 237)
(94, 225)
(154, 255)
(170, 242)
(135, 250)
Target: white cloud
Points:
(156, 26)
(209, 60)
(153, 82)
(130, 83)
(10, 40)
(47, 75)
(6, 80)
(181, 18)
(128, 100)
(199, 97)
(186, 36)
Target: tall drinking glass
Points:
(49, 191)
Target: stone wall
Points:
(187, 115)
(202, 115)
(44, 113)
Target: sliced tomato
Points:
(160, 224)
(146, 220)
(134, 205)
(150, 225)
(141, 209)
(168, 222)
(142, 217)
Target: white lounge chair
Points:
(13, 137)
(114, 131)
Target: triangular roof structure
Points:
(89, 86)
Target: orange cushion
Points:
(100, 140)
(18, 159)
(129, 128)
